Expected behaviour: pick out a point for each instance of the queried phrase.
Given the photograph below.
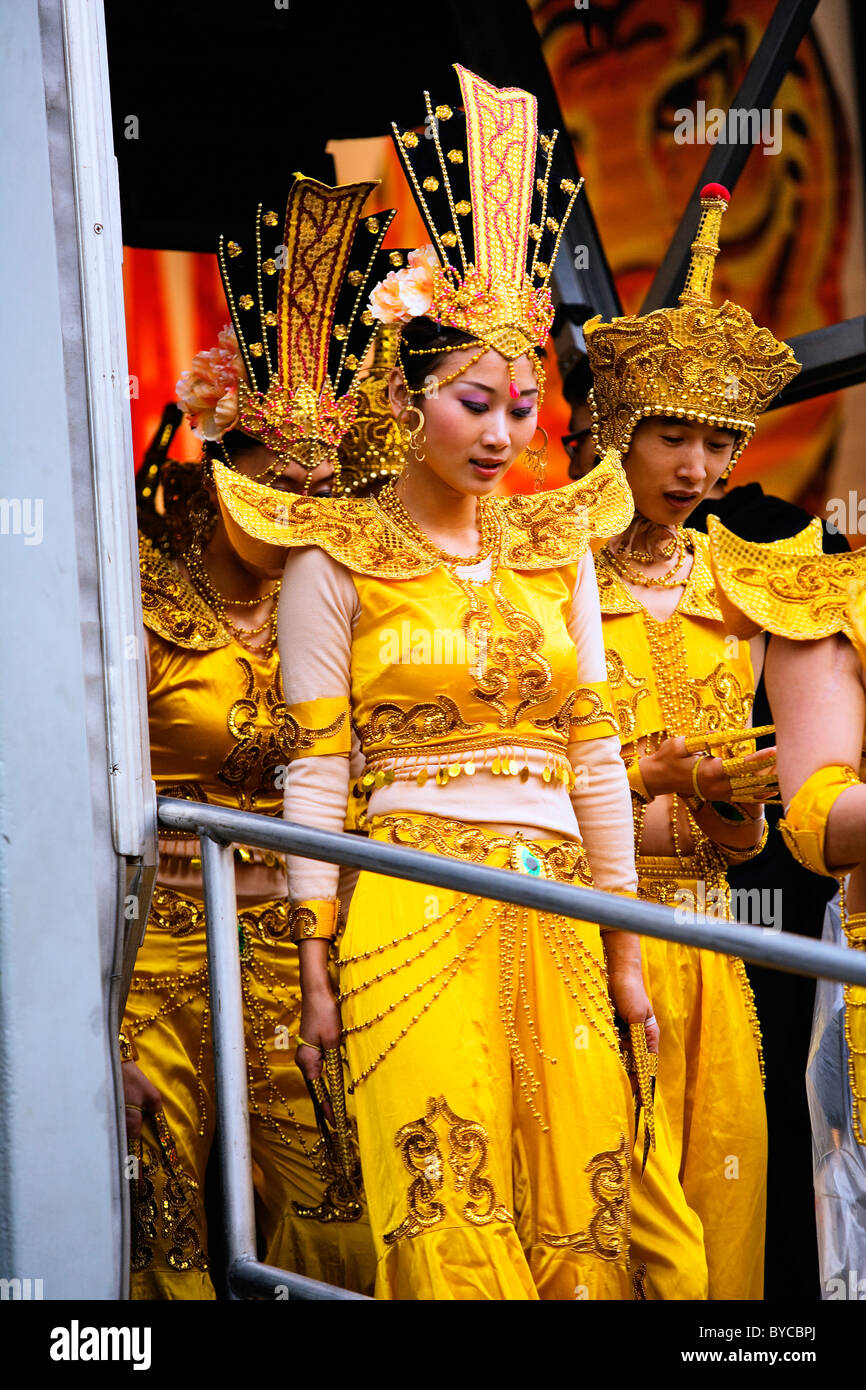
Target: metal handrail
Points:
(798, 955)
(219, 829)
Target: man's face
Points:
(581, 449)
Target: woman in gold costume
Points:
(217, 724)
(676, 394)
(453, 638)
(814, 605)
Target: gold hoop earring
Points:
(414, 438)
(536, 459)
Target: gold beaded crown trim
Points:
(297, 294)
(696, 362)
(483, 185)
(539, 531)
(789, 587)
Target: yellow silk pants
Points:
(494, 1111)
(308, 1223)
(709, 1085)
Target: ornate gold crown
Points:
(373, 448)
(696, 362)
(297, 296)
(477, 185)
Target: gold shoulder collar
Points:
(789, 587)
(699, 596)
(699, 599)
(546, 529)
(539, 532)
(352, 530)
(171, 608)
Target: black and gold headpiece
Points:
(297, 288)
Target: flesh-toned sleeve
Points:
(601, 796)
(318, 607)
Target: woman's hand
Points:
(671, 769)
(625, 980)
(321, 1027)
(140, 1096)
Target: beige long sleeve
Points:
(601, 796)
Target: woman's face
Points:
(672, 464)
(474, 427)
(253, 460)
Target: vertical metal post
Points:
(230, 1062)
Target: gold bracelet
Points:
(128, 1049)
(696, 767)
(315, 918)
(742, 853)
(636, 782)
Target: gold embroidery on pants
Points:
(469, 1153)
(607, 1233)
(638, 1284)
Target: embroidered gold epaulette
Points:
(171, 608)
(699, 598)
(555, 527)
(789, 587)
(351, 529)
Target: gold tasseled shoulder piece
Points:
(699, 598)
(552, 528)
(171, 608)
(789, 587)
(350, 529)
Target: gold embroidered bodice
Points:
(443, 663)
(215, 710)
(683, 675)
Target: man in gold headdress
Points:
(676, 396)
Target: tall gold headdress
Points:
(287, 370)
(483, 184)
(697, 362)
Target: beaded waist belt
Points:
(563, 860)
(466, 756)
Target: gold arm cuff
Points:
(128, 1049)
(636, 782)
(737, 854)
(313, 727)
(592, 713)
(316, 918)
(805, 825)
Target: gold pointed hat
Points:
(698, 362)
(483, 182)
(287, 368)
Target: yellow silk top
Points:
(685, 675)
(215, 710)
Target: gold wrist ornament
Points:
(128, 1049)
(314, 919)
(805, 826)
(636, 782)
(738, 854)
(695, 783)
